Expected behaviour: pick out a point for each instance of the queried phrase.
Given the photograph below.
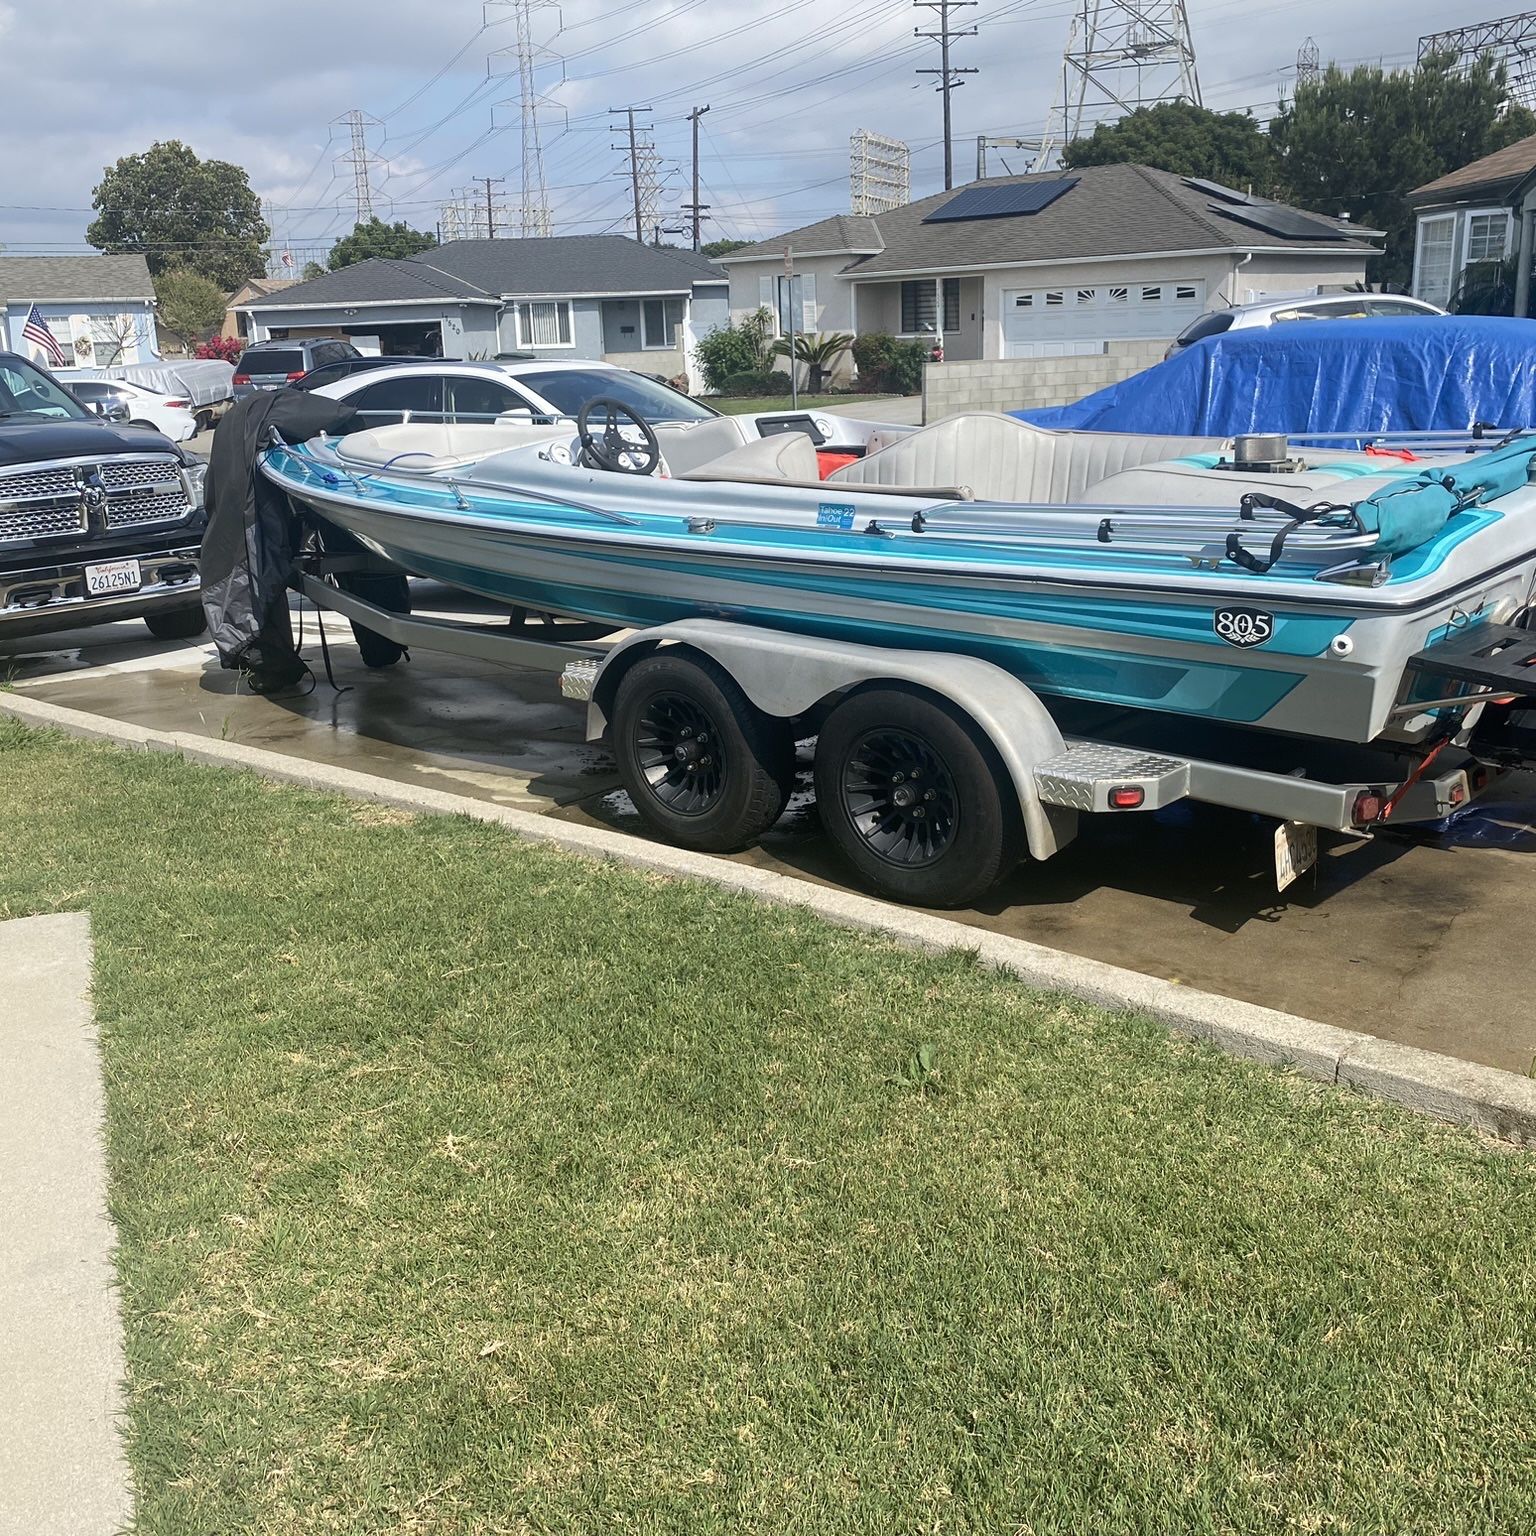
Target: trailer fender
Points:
(788, 675)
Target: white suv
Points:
(1323, 306)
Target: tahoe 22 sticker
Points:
(834, 514)
(1243, 626)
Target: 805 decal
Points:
(1243, 627)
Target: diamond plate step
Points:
(1083, 776)
(577, 680)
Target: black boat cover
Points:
(252, 539)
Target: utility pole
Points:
(634, 162)
(696, 209)
(490, 207)
(948, 78)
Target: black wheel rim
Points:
(900, 797)
(678, 745)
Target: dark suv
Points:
(97, 521)
(272, 364)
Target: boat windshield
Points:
(568, 389)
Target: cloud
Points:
(787, 81)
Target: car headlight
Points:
(197, 473)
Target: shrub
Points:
(224, 349)
(741, 346)
(889, 365)
(765, 381)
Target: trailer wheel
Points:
(916, 798)
(704, 766)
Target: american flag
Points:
(36, 331)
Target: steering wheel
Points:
(613, 450)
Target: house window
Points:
(546, 324)
(659, 320)
(1152, 295)
(1433, 259)
(1487, 236)
(918, 311)
(951, 303)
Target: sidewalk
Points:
(62, 1469)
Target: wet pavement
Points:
(1423, 937)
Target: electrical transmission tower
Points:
(1511, 41)
(362, 162)
(879, 172)
(1121, 55)
(533, 217)
(644, 170)
(1309, 64)
(468, 216)
(949, 78)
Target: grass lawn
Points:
(466, 1187)
(733, 407)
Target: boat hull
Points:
(1333, 663)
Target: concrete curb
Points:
(1487, 1099)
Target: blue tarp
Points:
(1433, 373)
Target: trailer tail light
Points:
(1458, 793)
(1127, 797)
(241, 378)
(1367, 808)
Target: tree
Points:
(312, 269)
(1178, 136)
(188, 305)
(722, 247)
(1357, 143)
(741, 346)
(178, 211)
(819, 353)
(376, 238)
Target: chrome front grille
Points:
(63, 499)
(41, 522)
(123, 513)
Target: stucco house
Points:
(1058, 264)
(575, 296)
(100, 309)
(1480, 212)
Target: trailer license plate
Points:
(113, 576)
(1295, 851)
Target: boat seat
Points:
(785, 456)
(686, 445)
(428, 445)
(1004, 459)
(1189, 485)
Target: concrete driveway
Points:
(1418, 937)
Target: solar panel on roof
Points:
(1288, 223)
(984, 202)
(1216, 189)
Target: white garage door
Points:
(1070, 322)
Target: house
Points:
(100, 309)
(1065, 263)
(574, 296)
(236, 322)
(1470, 215)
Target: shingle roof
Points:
(487, 270)
(1500, 170)
(1115, 210)
(27, 278)
(842, 232)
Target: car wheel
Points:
(177, 623)
(704, 766)
(916, 798)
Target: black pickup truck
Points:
(97, 521)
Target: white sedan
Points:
(145, 407)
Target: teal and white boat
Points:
(1244, 584)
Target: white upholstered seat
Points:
(785, 456)
(429, 445)
(1003, 459)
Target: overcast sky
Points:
(787, 81)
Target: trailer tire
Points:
(916, 797)
(704, 766)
